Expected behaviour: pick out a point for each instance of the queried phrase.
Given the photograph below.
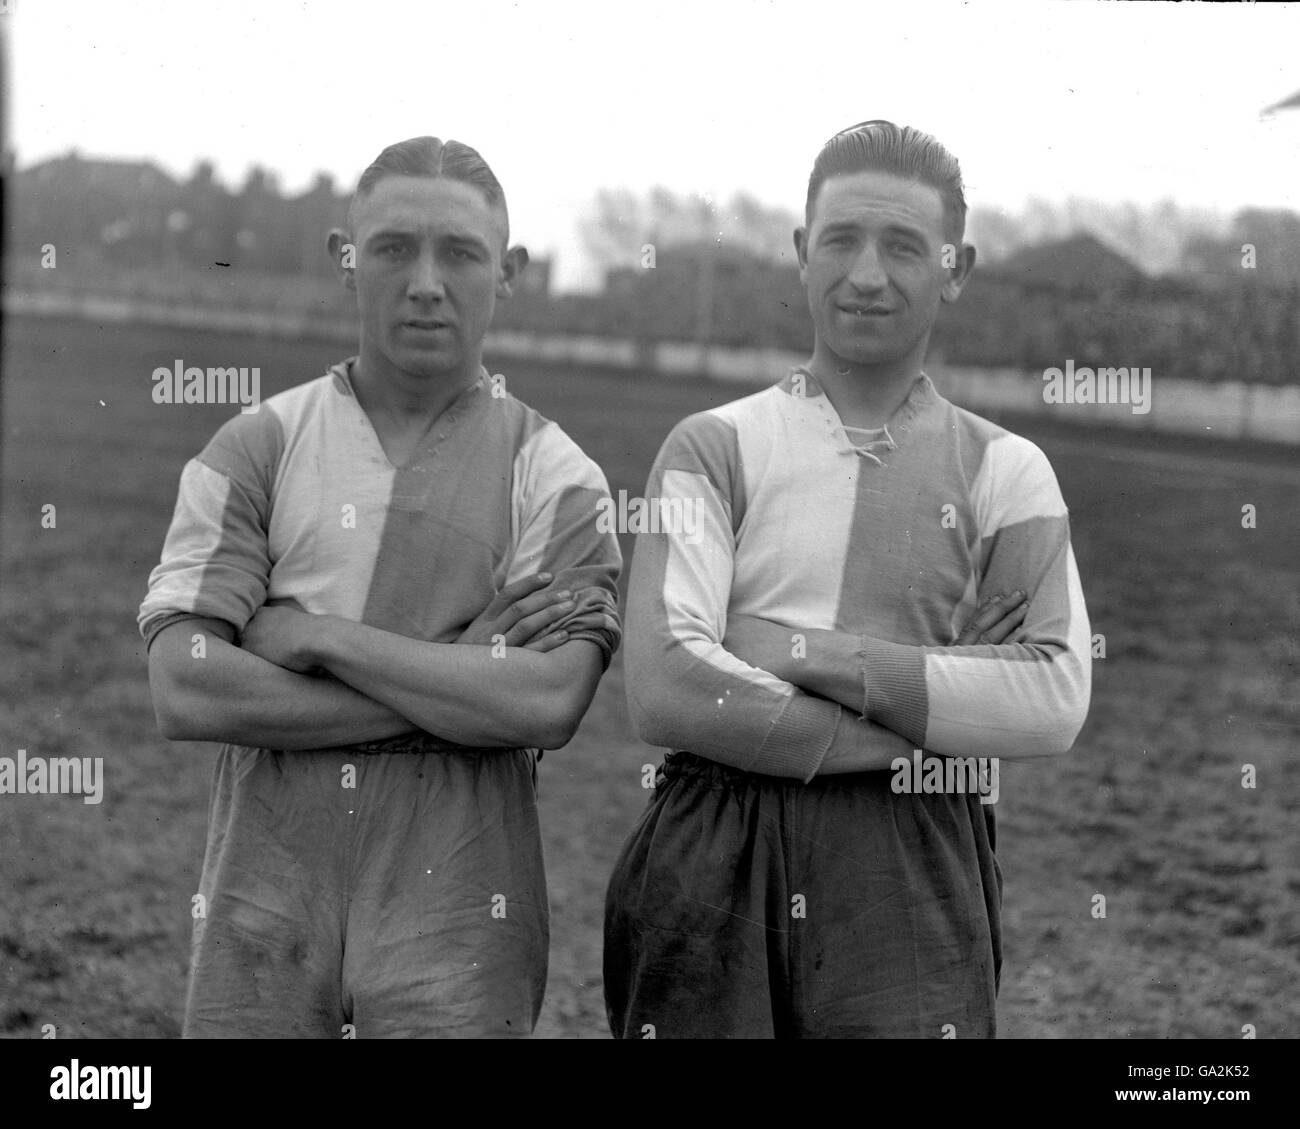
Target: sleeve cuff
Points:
(151, 627)
(606, 640)
(798, 739)
(895, 693)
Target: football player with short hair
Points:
(875, 571)
(384, 592)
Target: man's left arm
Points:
(1025, 697)
(501, 695)
(473, 695)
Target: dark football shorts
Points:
(410, 905)
(752, 906)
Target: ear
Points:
(513, 263)
(958, 274)
(801, 252)
(343, 253)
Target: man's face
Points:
(429, 268)
(872, 262)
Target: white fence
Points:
(1226, 410)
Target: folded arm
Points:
(1007, 695)
(213, 575)
(685, 689)
(211, 690)
(474, 695)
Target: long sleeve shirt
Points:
(895, 541)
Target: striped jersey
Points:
(894, 538)
(299, 502)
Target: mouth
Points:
(424, 325)
(874, 310)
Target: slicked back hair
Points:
(432, 157)
(901, 150)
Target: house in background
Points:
(133, 214)
(1081, 264)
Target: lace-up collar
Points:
(863, 442)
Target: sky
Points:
(1128, 101)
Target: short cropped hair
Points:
(901, 150)
(432, 157)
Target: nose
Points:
(868, 274)
(425, 284)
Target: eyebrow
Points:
(462, 238)
(835, 227)
(467, 239)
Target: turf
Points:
(1201, 618)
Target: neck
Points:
(865, 395)
(384, 390)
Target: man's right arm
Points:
(685, 689)
(212, 576)
(209, 690)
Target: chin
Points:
(860, 351)
(419, 362)
(857, 354)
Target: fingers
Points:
(512, 593)
(547, 642)
(538, 613)
(1004, 627)
(996, 618)
(985, 616)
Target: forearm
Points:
(801, 736)
(232, 696)
(474, 695)
(863, 746)
(827, 663)
(1009, 700)
(1012, 700)
(693, 694)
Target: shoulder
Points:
(1004, 451)
(715, 436)
(541, 448)
(984, 447)
(257, 439)
(1013, 478)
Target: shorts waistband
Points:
(681, 763)
(419, 743)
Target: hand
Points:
(523, 613)
(284, 636)
(994, 620)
